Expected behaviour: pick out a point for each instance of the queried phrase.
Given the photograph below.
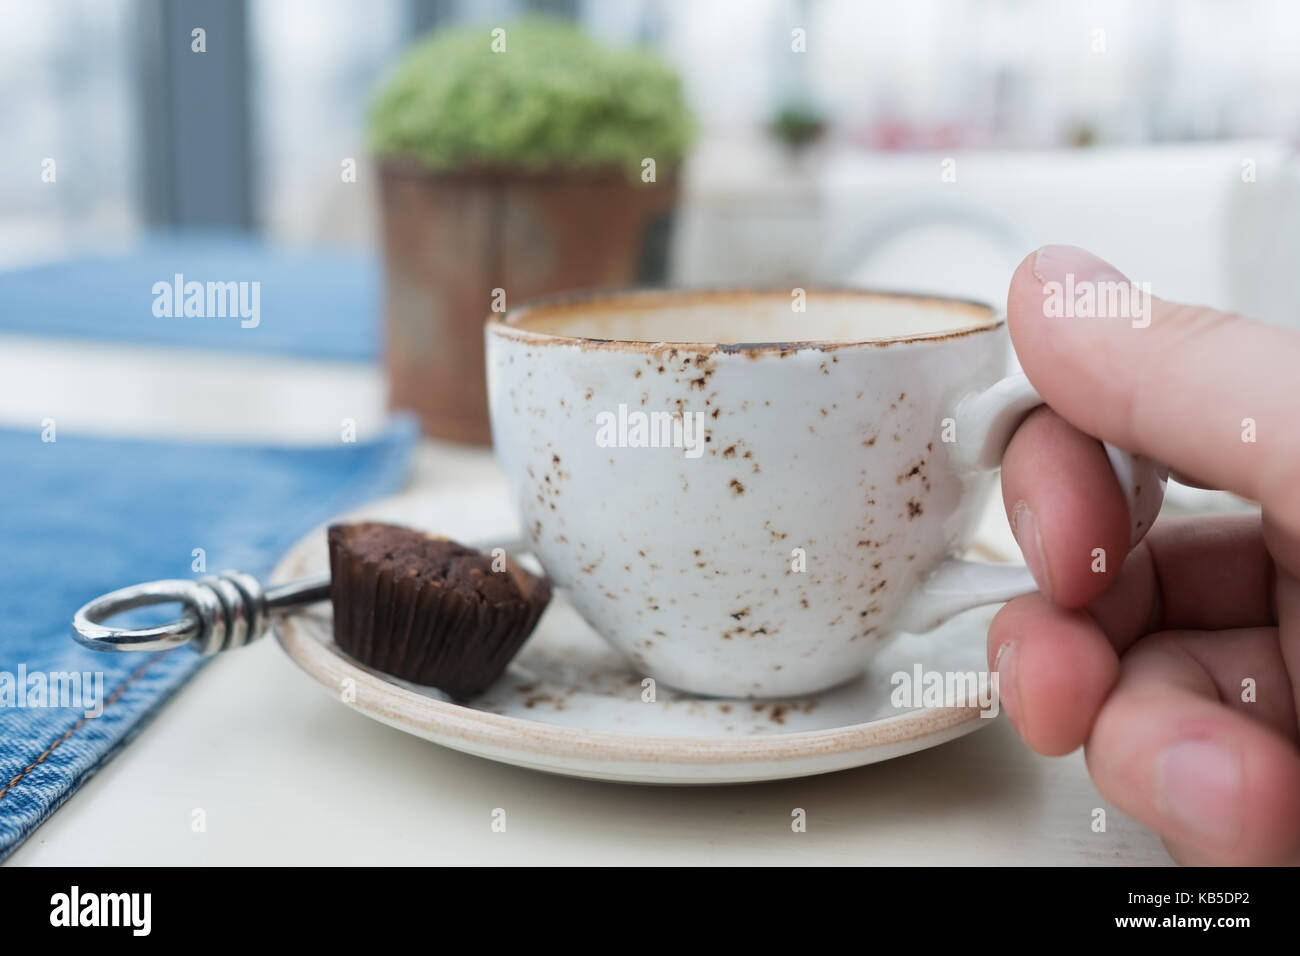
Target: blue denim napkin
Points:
(81, 516)
(318, 303)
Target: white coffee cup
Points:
(747, 492)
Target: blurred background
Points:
(925, 145)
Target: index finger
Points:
(1210, 394)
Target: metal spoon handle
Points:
(221, 612)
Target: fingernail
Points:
(1005, 667)
(1025, 530)
(1055, 263)
(1199, 784)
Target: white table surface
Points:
(285, 775)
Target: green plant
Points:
(797, 125)
(553, 97)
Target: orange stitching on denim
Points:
(121, 689)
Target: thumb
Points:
(1211, 394)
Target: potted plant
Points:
(798, 125)
(513, 162)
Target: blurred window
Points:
(314, 65)
(69, 97)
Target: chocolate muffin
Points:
(426, 609)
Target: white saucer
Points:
(571, 705)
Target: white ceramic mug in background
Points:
(745, 498)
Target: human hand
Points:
(1148, 663)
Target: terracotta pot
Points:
(451, 238)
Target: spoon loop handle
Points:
(221, 612)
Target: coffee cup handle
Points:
(983, 424)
